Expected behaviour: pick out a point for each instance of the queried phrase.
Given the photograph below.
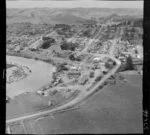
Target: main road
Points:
(83, 94)
(81, 97)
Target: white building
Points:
(36, 45)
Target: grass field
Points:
(30, 103)
(116, 109)
(17, 129)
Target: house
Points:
(73, 68)
(17, 49)
(36, 45)
(97, 59)
(122, 58)
(73, 74)
(46, 93)
(83, 79)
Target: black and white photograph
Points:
(74, 67)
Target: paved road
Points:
(113, 46)
(83, 95)
(75, 35)
(91, 41)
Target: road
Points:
(91, 41)
(75, 35)
(82, 96)
(113, 46)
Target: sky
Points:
(72, 4)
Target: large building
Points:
(73, 74)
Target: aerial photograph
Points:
(74, 67)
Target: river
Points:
(41, 74)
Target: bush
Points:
(36, 58)
(92, 74)
(98, 78)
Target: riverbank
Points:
(41, 75)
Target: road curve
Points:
(83, 95)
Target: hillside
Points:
(66, 16)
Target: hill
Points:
(66, 16)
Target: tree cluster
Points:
(129, 63)
(109, 64)
(73, 58)
(47, 42)
(87, 33)
(69, 46)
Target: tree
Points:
(109, 64)
(47, 41)
(129, 63)
(71, 57)
(46, 44)
(68, 46)
(87, 33)
(92, 74)
(98, 78)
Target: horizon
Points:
(74, 4)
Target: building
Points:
(139, 51)
(83, 79)
(73, 68)
(40, 92)
(73, 74)
(97, 59)
(17, 49)
(36, 45)
(122, 58)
